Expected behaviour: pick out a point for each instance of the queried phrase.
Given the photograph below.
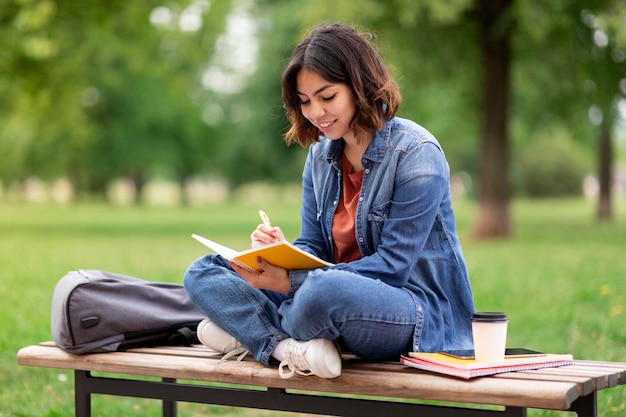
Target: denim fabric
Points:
(367, 317)
(411, 289)
(405, 227)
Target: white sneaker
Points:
(217, 339)
(314, 357)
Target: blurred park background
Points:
(105, 99)
(126, 126)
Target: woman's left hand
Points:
(271, 277)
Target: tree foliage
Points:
(104, 89)
(551, 165)
(255, 149)
(554, 58)
(110, 88)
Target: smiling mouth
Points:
(324, 125)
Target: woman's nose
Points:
(317, 110)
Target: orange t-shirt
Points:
(346, 248)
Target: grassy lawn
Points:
(560, 279)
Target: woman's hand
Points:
(271, 277)
(264, 235)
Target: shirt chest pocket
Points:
(376, 219)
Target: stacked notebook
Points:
(470, 368)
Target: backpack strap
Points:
(184, 336)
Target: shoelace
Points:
(241, 351)
(295, 361)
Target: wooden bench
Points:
(373, 388)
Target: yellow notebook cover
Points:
(282, 254)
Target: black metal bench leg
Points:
(169, 406)
(586, 406)
(514, 412)
(82, 395)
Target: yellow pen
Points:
(266, 220)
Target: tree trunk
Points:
(605, 211)
(139, 179)
(493, 217)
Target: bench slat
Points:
(619, 368)
(600, 378)
(585, 385)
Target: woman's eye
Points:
(304, 102)
(329, 98)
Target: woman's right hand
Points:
(264, 235)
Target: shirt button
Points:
(360, 198)
(367, 171)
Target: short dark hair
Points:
(340, 55)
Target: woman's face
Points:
(328, 106)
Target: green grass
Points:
(560, 279)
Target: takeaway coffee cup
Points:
(489, 331)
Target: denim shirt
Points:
(405, 227)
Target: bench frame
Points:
(279, 399)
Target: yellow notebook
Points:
(282, 254)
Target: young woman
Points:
(375, 202)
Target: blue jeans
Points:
(367, 317)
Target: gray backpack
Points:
(99, 311)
